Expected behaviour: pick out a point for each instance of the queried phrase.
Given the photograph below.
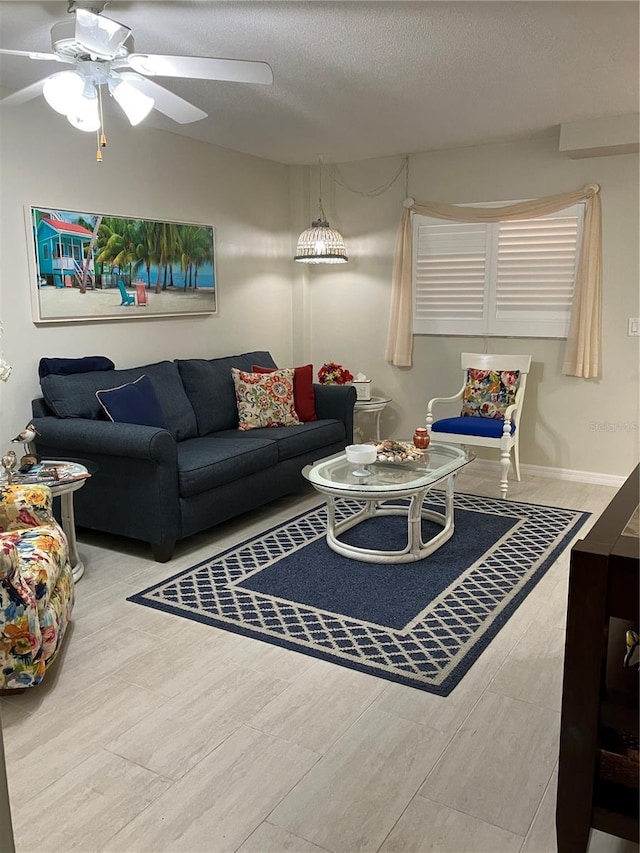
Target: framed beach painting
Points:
(95, 266)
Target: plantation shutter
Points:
(449, 277)
(512, 279)
(535, 275)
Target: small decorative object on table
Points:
(53, 473)
(361, 455)
(334, 374)
(398, 452)
(26, 436)
(9, 462)
(362, 386)
(421, 438)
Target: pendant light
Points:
(321, 244)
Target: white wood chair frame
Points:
(507, 441)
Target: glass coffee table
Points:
(382, 482)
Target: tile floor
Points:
(155, 733)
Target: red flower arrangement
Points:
(334, 374)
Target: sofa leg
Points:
(162, 551)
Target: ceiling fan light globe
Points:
(85, 115)
(63, 90)
(136, 105)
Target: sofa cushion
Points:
(304, 396)
(264, 399)
(75, 396)
(133, 403)
(209, 387)
(294, 441)
(207, 462)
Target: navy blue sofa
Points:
(162, 485)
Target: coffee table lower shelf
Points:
(415, 549)
(377, 488)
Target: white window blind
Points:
(501, 278)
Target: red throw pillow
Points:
(304, 397)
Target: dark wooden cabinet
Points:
(598, 770)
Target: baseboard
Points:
(569, 474)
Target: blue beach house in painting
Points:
(61, 252)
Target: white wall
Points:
(153, 174)
(347, 307)
(338, 312)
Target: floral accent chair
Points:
(36, 585)
(492, 397)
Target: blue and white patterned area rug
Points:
(422, 624)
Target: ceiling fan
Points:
(102, 54)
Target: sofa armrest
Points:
(134, 488)
(337, 402)
(85, 437)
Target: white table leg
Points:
(377, 414)
(69, 527)
(415, 549)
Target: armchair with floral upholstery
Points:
(36, 585)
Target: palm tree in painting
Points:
(188, 247)
(146, 247)
(116, 243)
(89, 253)
(203, 253)
(167, 252)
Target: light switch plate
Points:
(634, 327)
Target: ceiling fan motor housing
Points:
(65, 44)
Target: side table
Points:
(72, 476)
(65, 492)
(375, 406)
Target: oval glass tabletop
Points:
(337, 473)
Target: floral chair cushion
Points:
(265, 399)
(24, 506)
(36, 585)
(488, 394)
(41, 550)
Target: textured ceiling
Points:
(355, 80)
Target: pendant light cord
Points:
(322, 213)
(376, 191)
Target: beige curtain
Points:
(582, 354)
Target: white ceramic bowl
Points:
(361, 454)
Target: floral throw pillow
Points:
(488, 393)
(265, 399)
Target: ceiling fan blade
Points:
(23, 95)
(201, 68)
(31, 54)
(166, 102)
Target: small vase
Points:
(421, 438)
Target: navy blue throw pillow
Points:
(67, 366)
(133, 403)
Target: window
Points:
(512, 279)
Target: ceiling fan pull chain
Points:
(103, 138)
